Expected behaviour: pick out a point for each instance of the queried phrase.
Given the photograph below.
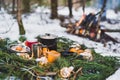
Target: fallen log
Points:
(109, 38)
(112, 30)
(72, 29)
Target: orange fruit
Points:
(73, 50)
(19, 48)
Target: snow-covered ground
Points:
(38, 23)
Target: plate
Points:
(18, 48)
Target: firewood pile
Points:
(88, 28)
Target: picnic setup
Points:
(53, 58)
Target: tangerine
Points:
(19, 48)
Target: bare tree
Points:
(26, 5)
(54, 5)
(13, 6)
(0, 4)
(19, 18)
(70, 8)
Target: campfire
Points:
(88, 27)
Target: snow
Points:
(115, 76)
(38, 23)
(111, 14)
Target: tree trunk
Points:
(76, 4)
(54, 4)
(26, 4)
(13, 6)
(70, 8)
(40, 2)
(19, 18)
(0, 5)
